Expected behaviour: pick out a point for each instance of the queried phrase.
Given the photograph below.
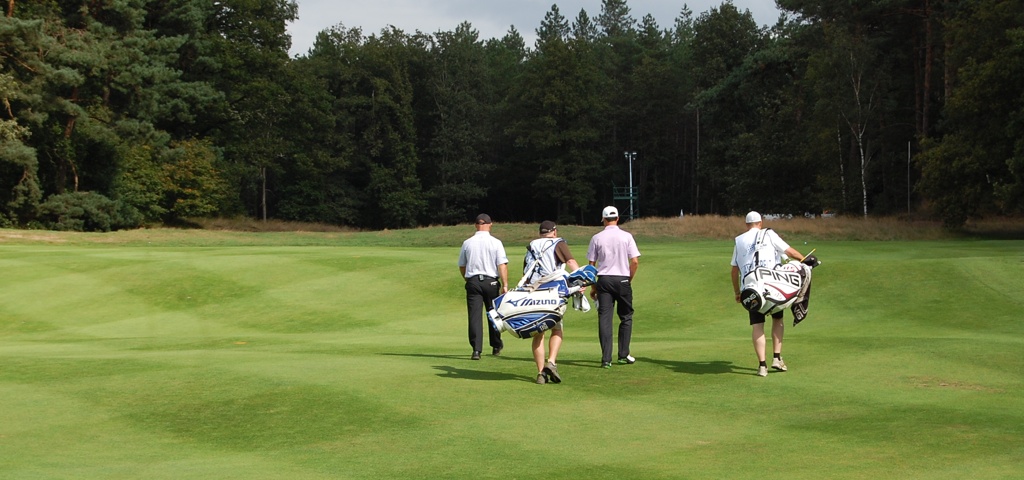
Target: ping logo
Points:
(791, 278)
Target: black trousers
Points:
(480, 294)
(614, 291)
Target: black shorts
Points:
(756, 318)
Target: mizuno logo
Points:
(529, 302)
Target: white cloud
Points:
(492, 18)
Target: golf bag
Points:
(531, 310)
(772, 290)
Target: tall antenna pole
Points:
(631, 192)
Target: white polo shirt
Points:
(481, 254)
(772, 248)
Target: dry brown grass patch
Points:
(242, 224)
(692, 227)
(835, 228)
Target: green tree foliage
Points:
(372, 81)
(20, 195)
(976, 167)
(310, 181)
(193, 186)
(505, 60)
(139, 183)
(661, 117)
(386, 141)
(616, 52)
(724, 38)
(241, 49)
(453, 168)
(558, 130)
(105, 85)
(93, 84)
(185, 108)
(86, 212)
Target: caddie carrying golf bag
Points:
(772, 290)
(530, 310)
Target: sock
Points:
(762, 364)
(778, 355)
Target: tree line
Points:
(122, 114)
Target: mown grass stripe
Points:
(352, 362)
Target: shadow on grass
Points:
(469, 374)
(448, 371)
(714, 367)
(580, 363)
(503, 357)
(428, 355)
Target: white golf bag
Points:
(528, 311)
(772, 290)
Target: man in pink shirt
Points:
(613, 251)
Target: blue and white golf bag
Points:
(531, 310)
(772, 290)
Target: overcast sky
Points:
(492, 18)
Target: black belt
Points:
(482, 278)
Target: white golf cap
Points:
(610, 212)
(753, 217)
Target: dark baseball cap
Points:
(547, 226)
(483, 218)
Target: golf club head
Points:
(811, 261)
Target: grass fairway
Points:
(161, 361)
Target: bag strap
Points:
(758, 241)
(554, 241)
(535, 266)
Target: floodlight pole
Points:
(263, 191)
(632, 192)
